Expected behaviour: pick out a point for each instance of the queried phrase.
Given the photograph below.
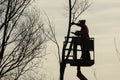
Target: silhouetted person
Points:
(83, 41)
(84, 34)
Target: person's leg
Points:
(87, 53)
(75, 51)
(85, 50)
(82, 49)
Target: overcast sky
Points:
(103, 20)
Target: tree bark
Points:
(63, 64)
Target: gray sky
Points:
(103, 20)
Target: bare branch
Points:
(52, 37)
(23, 39)
(78, 8)
(74, 4)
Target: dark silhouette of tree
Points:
(76, 8)
(22, 38)
(11, 10)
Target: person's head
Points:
(81, 22)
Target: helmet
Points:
(81, 21)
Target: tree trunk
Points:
(63, 64)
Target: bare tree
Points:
(76, 8)
(22, 38)
(11, 10)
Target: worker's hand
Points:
(77, 33)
